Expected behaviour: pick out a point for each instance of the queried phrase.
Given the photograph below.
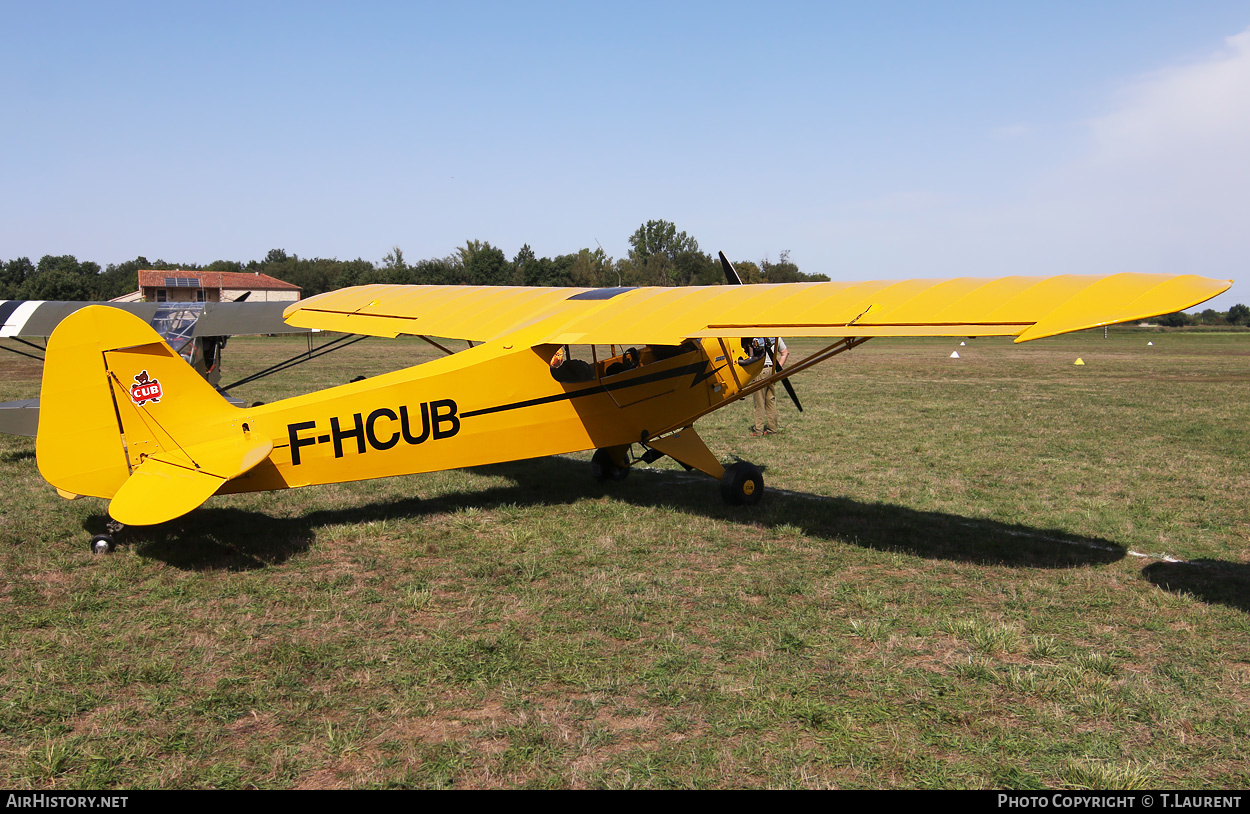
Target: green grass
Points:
(955, 580)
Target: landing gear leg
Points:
(687, 448)
(741, 484)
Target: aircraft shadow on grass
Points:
(1212, 581)
(226, 538)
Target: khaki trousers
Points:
(765, 403)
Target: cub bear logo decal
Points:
(145, 389)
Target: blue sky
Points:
(871, 140)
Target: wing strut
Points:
(23, 353)
(841, 346)
(312, 353)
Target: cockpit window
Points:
(567, 369)
(175, 322)
(584, 363)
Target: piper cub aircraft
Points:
(125, 418)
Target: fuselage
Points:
(491, 403)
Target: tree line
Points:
(659, 255)
(1237, 315)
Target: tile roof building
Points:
(178, 285)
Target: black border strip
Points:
(695, 368)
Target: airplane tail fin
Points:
(122, 416)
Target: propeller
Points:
(731, 274)
(786, 381)
(731, 277)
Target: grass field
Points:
(998, 571)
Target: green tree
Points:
(551, 271)
(438, 271)
(484, 264)
(63, 277)
(785, 271)
(394, 260)
(523, 258)
(654, 270)
(1238, 315)
(659, 238)
(749, 272)
(123, 278)
(696, 268)
(592, 269)
(12, 275)
(659, 254)
(466, 252)
(283, 266)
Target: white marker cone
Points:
(954, 354)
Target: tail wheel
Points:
(604, 467)
(102, 544)
(742, 484)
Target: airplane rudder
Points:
(78, 444)
(113, 391)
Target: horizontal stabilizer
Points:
(160, 491)
(171, 484)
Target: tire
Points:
(604, 468)
(742, 484)
(102, 544)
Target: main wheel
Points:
(603, 467)
(742, 484)
(102, 544)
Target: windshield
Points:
(175, 321)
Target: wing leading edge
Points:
(1024, 307)
(40, 317)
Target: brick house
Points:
(177, 285)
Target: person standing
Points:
(766, 397)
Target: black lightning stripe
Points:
(706, 374)
(696, 368)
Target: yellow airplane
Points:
(125, 418)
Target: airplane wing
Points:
(177, 323)
(1024, 307)
(477, 313)
(39, 317)
(244, 319)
